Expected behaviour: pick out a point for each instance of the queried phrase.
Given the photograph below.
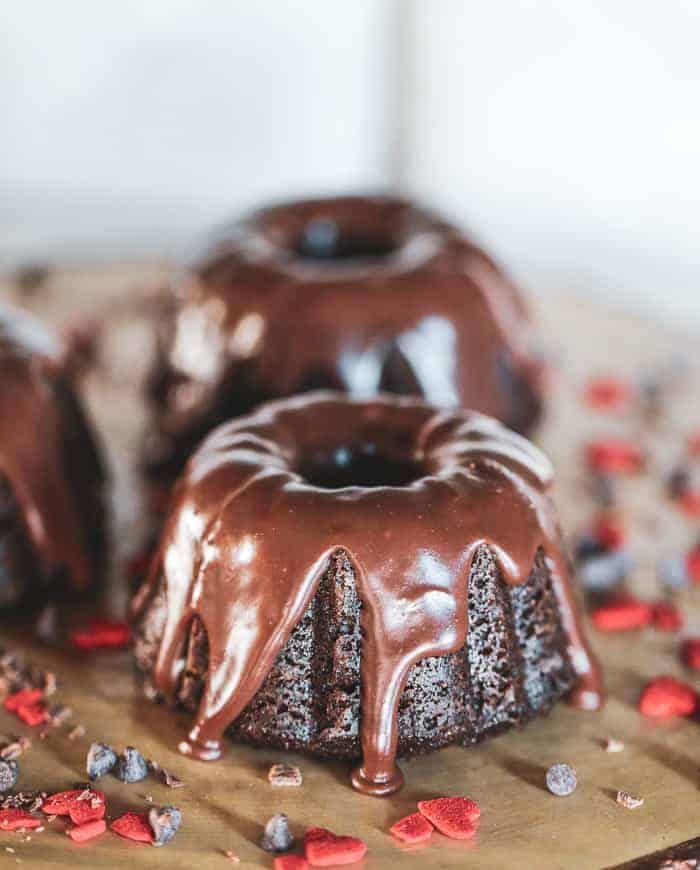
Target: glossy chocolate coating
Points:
(249, 536)
(364, 295)
(48, 457)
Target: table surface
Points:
(225, 804)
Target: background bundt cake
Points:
(363, 295)
(52, 513)
(361, 579)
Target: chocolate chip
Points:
(101, 758)
(131, 766)
(277, 836)
(8, 775)
(561, 780)
(165, 822)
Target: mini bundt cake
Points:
(52, 513)
(361, 578)
(363, 295)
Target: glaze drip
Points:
(248, 539)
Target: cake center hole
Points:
(324, 240)
(364, 466)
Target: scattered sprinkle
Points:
(623, 615)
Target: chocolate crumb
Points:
(277, 837)
(232, 856)
(164, 775)
(629, 801)
(613, 745)
(286, 775)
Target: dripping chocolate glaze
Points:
(360, 294)
(248, 539)
(31, 439)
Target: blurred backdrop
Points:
(564, 133)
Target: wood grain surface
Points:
(225, 804)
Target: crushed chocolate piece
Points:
(286, 775)
(15, 746)
(277, 837)
(165, 822)
(165, 776)
(561, 780)
(630, 802)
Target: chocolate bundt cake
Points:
(363, 295)
(52, 514)
(361, 578)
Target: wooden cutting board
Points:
(225, 804)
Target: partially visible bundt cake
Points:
(361, 578)
(363, 295)
(52, 513)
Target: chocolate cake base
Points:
(513, 665)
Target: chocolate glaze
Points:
(249, 537)
(364, 295)
(47, 454)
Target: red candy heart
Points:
(59, 804)
(290, 862)
(89, 808)
(623, 615)
(667, 616)
(607, 393)
(12, 819)
(33, 714)
(412, 829)
(88, 831)
(324, 849)
(690, 653)
(23, 698)
(456, 817)
(102, 634)
(614, 456)
(133, 826)
(666, 697)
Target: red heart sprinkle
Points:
(667, 616)
(607, 393)
(324, 849)
(23, 698)
(290, 862)
(412, 829)
(88, 831)
(690, 652)
(11, 819)
(59, 804)
(456, 817)
(623, 615)
(133, 826)
(614, 456)
(666, 697)
(89, 807)
(33, 714)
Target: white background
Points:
(565, 133)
